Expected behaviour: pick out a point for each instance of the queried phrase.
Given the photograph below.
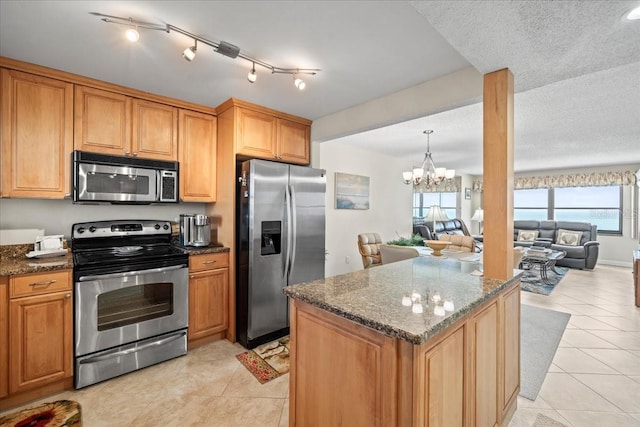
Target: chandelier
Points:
(428, 172)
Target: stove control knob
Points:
(92, 229)
(166, 226)
(157, 226)
(80, 230)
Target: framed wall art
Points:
(467, 193)
(352, 191)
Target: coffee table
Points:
(544, 260)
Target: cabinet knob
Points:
(191, 276)
(209, 262)
(135, 154)
(126, 153)
(67, 296)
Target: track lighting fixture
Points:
(222, 47)
(189, 53)
(252, 76)
(299, 83)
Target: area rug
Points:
(62, 413)
(531, 281)
(268, 361)
(544, 421)
(540, 333)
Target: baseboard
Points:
(615, 263)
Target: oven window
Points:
(112, 183)
(134, 304)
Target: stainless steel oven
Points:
(131, 298)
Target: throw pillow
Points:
(527, 235)
(568, 237)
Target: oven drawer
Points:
(39, 283)
(208, 261)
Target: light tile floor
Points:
(594, 379)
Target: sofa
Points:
(451, 226)
(577, 239)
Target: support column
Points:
(498, 174)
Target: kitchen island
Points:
(417, 342)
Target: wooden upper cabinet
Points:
(155, 130)
(262, 133)
(102, 122)
(111, 123)
(256, 134)
(293, 141)
(37, 135)
(198, 154)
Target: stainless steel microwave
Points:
(100, 178)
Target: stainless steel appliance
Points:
(281, 241)
(195, 230)
(131, 289)
(127, 180)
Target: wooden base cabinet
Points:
(468, 375)
(37, 136)
(40, 330)
(208, 295)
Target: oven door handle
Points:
(131, 273)
(117, 353)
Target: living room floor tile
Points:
(598, 419)
(617, 389)
(589, 323)
(622, 339)
(562, 391)
(622, 361)
(573, 360)
(620, 322)
(526, 417)
(583, 339)
(587, 309)
(554, 368)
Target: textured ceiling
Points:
(576, 65)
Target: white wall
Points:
(390, 203)
(57, 216)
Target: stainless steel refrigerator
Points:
(280, 242)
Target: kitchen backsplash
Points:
(57, 216)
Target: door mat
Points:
(532, 282)
(62, 413)
(267, 361)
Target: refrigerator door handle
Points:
(294, 226)
(287, 257)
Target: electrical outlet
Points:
(347, 260)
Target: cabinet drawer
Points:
(39, 283)
(208, 261)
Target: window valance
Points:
(446, 186)
(592, 179)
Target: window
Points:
(601, 206)
(423, 201)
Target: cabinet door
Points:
(40, 337)
(293, 142)
(485, 344)
(155, 131)
(4, 336)
(256, 134)
(208, 305)
(37, 136)
(510, 326)
(198, 153)
(102, 122)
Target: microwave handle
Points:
(130, 273)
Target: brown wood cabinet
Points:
(467, 375)
(4, 336)
(267, 134)
(37, 136)
(208, 295)
(40, 329)
(113, 123)
(197, 156)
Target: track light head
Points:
(252, 76)
(132, 35)
(299, 83)
(189, 53)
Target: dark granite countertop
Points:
(373, 297)
(13, 259)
